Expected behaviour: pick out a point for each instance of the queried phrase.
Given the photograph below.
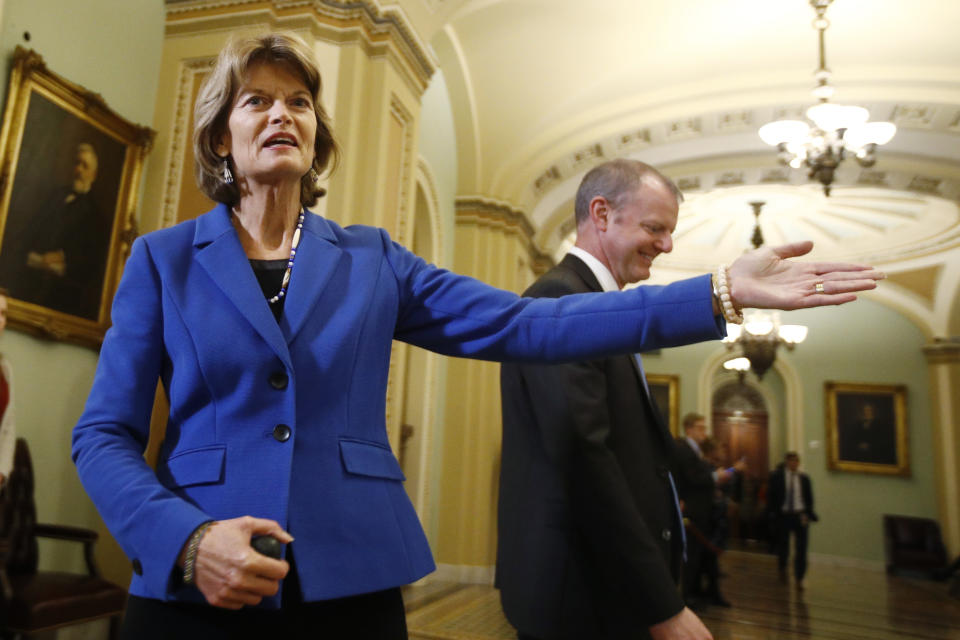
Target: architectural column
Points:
(493, 244)
(943, 358)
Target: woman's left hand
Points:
(766, 279)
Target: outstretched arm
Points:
(767, 279)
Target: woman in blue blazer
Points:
(270, 329)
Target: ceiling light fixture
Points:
(837, 129)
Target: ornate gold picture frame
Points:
(867, 428)
(665, 391)
(68, 191)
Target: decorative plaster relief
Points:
(592, 153)
(549, 177)
(684, 129)
(955, 123)
(735, 121)
(872, 178)
(634, 140)
(925, 184)
(913, 116)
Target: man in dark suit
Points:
(64, 254)
(790, 504)
(590, 539)
(697, 480)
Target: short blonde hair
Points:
(216, 96)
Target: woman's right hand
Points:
(229, 572)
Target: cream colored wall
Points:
(112, 48)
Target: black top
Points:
(270, 276)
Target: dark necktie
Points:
(790, 492)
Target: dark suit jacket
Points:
(695, 484)
(588, 531)
(777, 494)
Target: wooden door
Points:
(744, 435)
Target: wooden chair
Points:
(913, 546)
(33, 601)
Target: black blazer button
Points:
(279, 380)
(281, 433)
(666, 534)
(137, 567)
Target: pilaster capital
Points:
(943, 350)
(488, 212)
(381, 31)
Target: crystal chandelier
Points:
(837, 129)
(761, 333)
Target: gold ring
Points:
(818, 287)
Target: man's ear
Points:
(600, 212)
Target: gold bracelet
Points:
(722, 290)
(190, 560)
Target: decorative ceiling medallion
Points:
(855, 221)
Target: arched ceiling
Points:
(542, 90)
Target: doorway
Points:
(741, 429)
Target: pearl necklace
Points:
(293, 254)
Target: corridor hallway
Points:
(841, 603)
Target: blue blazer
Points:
(190, 313)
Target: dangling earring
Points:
(313, 175)
(227, 176)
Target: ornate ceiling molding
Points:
(384, 31)
(734, 132)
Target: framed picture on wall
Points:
(867, 428)
(71, 171)
(665, 391)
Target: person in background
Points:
(790, 501)
(271, 328)
(697, 481)
(707, 582)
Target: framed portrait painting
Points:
(867, 428)
(70, 174)
(665, 391)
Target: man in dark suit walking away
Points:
(790, 504)
(590, 539)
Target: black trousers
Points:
(791, 523)
(374, 616)
(370, 616)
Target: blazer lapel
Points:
(317, 258)
(581, 269)
(219, 252)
